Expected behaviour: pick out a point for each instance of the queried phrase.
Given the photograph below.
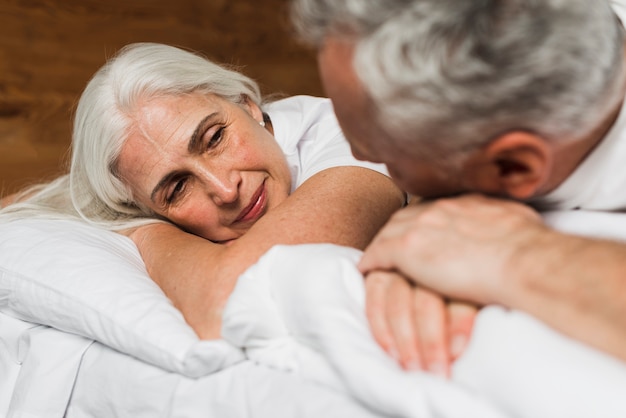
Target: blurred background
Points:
(50, 48)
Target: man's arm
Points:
(576, 285)
(491, 251)
(342, 205)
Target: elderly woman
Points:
(183, 156)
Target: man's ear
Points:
(515, 164)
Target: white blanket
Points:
(298, 314)
(300, 309)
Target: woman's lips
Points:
(256, 208)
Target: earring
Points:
(262, 123)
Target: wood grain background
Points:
(50, 48)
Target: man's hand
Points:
(458, 247)
(414, 325)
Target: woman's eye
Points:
(216, 138)
(175, 191)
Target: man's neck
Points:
(570, 155)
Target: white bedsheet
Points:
(45, 373)
(301, 309)
(38, 367)
(298, 314)
(115, 385)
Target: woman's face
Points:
(204, 163)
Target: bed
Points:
(84, 332)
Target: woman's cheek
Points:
(198, 220)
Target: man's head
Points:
(457, 95)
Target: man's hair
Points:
(450, 75)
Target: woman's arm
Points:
(7, 200)
(341, 205)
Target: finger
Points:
(401, 320)
(383, 252)
(376, 286)
(461, 317)
(401, 235)
(481, 205)
(378, 256)
(430, 316)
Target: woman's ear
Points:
(515, 164)
(252, 108)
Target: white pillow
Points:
(92, 282)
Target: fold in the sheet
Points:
(47, 362)
(313, 296)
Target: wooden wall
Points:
(50, 48)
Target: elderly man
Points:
(515, 99)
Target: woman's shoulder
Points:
(300, 110)
(301, 118)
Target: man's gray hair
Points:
(450, 75)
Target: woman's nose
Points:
(223, 188)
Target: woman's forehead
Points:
(165, 115)
(171, 105)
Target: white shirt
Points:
(599, 182)
(307, 131)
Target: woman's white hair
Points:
(93, 191)
(450, 75)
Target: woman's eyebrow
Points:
(195, 142)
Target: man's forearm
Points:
(574, 284)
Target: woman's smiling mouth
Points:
(256, 208)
